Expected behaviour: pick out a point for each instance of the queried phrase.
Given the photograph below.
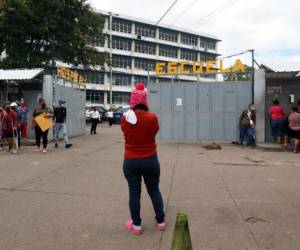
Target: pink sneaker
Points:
(37, 150)
(129, 227)
(161, 227)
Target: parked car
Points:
(103, 113)
(87, 115)
(118, 115)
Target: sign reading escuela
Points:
(171, 68)
(70, 75)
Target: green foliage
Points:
(33, 32)
(239, 76)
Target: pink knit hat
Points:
(138, 95)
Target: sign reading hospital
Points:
(184, 68)
(70, 75)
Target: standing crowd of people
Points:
(285, 126)
(14, 125)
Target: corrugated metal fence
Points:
(199, 111)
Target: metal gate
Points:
(75, 104)
(199, 111)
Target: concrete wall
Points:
(75, 103)
(259, 102)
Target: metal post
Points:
(110, 58)
(252, 75)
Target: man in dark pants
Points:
(60, 116)
(110, 115)
(246, 125)
(95, 116)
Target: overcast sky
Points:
(271, 27)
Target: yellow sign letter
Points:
(159, 68)
(238, 66)
(211, 67)
(182, 70)
(172, 68)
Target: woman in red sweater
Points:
(277, 116)
(140, 127)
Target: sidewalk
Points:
(77, 199)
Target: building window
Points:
(207, 57)
(96, 41)
(121, 62)
(121, 25)
(121, 44)
(167, 51)
(94, 77)
(144, 47)
(119, 98)
(188, 55)
(168, 35)
(94, 97)
(208, 44)
(211, 45)
(145, 30)
(144, 64)
(121, 80)
(143, 79)
(189, 39)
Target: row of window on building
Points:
(126, 80)
(97, 97)
(144, 30)
(149, 65)
(164, 50)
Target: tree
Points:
(35, 32)
(239, 76)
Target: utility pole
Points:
(252, 73)
(110, 59)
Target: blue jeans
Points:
(61, 127)
(248, 132)
(149, 169)
(276, 126)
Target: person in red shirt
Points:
(1, 125)
(9, 127)
(277, 117)
(140, 127)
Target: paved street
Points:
(77, 199)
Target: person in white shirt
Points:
(110, 116)
(95, 115)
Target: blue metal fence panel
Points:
(199, 111)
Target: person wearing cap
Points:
(18, 110)
(60, 117)
(140, 127)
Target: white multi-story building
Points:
(137, 45)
